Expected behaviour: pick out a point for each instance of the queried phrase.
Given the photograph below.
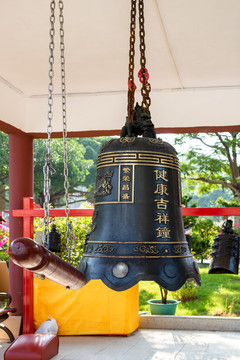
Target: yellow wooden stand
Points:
(93, 310)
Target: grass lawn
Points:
(211, 295)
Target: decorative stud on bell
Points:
(225, 251)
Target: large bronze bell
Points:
(225, 251)
(137, 229)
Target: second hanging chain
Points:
(143, 72)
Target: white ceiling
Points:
(192, 50)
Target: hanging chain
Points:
(143, 73)
(64, 119)
(47, 169)
(131, 85)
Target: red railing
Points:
(30, 211)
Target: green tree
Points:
(212, 161)
(82, 159)
(202, 235)
(189, 221)
(78, 169)
(92, 146)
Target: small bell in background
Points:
(225, 251)
(54, 240)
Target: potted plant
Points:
(163, 306)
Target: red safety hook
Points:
(143, 75)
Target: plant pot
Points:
(158, 308)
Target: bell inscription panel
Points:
(120, 184)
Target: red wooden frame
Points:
(28, 213)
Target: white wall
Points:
(12, 105)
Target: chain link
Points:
(131, 86)
(64, 119)
(47, 168)
(146, 87)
